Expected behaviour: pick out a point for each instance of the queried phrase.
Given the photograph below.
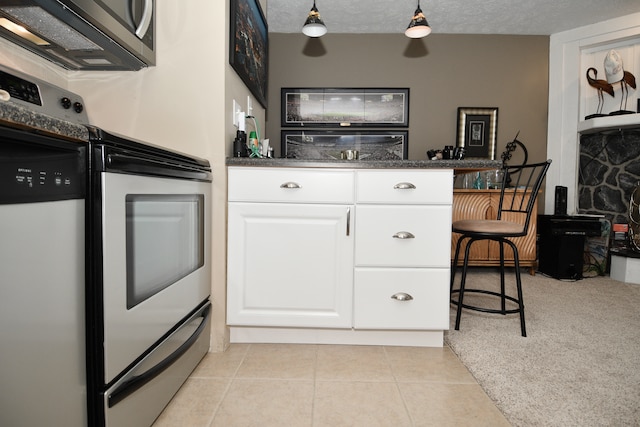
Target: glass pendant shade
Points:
(313, 26)
(418, 27)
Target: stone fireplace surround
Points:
(608, 172)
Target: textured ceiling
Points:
(532, 17)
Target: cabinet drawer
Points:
(376, 308)
(383, 240)
(405, 186)
(290, 185)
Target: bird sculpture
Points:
(616, 74)
(628, 79)
(601, 86)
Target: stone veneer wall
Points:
(608, 173)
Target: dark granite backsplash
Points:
(609, 171)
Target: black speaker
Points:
(560, 207)
(561, 256)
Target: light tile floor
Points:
(330, 385)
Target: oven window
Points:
(165, 242)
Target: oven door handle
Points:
(134, 164)
(129, 386)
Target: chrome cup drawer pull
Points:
(403, 235)
(404, 186)
(290, 184)
(401, 296)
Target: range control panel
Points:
(20, 89)
(36, 173)
(40, 96)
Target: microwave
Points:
(83, 34)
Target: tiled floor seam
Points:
(231, 379)
(315, 387)
(397, 384)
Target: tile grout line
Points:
(232, 378)
(315, 384)
(397, 384)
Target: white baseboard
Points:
(336, 336)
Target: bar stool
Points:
(520, 186)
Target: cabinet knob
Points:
(401, 296)
(404, 186)
(403, 235)
(290, 184)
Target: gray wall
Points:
(443, 72)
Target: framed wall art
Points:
(338, 107)
(477, 131)
(329, 144)
(248, 50)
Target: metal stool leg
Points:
(454, 266)
(516, 261)
(462, 282)
(503, 305)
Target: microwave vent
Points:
(48, 26)
(81, 34)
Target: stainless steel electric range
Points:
(108, 295)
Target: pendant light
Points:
(418, 27)
(313, 26)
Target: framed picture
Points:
(248, 39)
(336, 107)
(327, 144)
(477, 131)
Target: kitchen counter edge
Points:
(469, 165)
(16, 116)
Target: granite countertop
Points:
(469, 165)
(16, 116)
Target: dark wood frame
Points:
(328, 144)
(477, 131)
(249, 46)
(342, 112)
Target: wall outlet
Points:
(234, 115)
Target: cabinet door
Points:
(290, 265)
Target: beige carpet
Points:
(579, 364)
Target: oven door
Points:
(155, 262)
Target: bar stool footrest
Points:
(488, 310)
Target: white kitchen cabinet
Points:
(290, 252)
(344, 256)
(402, 262)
